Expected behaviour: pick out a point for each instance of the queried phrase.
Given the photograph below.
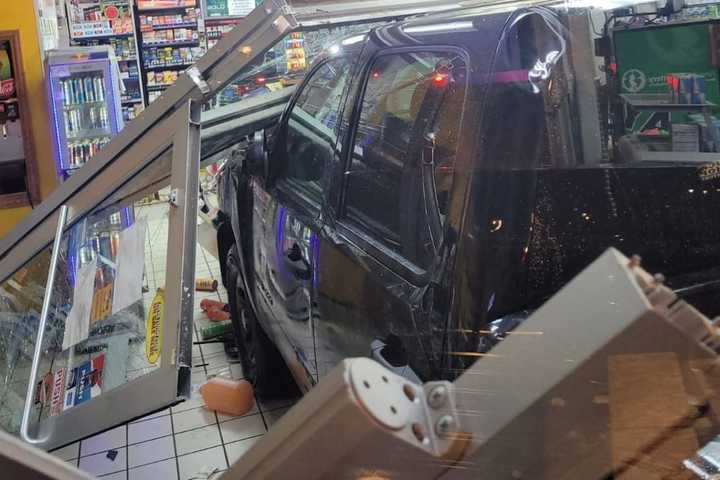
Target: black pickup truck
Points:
(433, 181)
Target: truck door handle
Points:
(297, 263)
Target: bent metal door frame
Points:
(176, 139)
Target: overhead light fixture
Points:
(441, 27)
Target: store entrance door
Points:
(96, 301)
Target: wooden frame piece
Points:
(32, 195)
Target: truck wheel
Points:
(262, 364)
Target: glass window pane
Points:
(312, 126)
(411, 110)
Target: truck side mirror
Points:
(256, 157)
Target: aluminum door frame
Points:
(262, 29)
(178, 136)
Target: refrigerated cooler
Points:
(84, 93)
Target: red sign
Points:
(7, 88)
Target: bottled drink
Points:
(233, 397)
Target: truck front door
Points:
(286, 219)
(377, 261)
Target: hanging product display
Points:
(110, 22)
(170, 36)
(85, 103)
(295, 52)
(217, 28)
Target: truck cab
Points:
(433, 181)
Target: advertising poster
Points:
(84, 382)
(229, 8)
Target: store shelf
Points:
(130, 101)
(158, 87)
(170, 66)
(184, 43)
(101, 37)
(661, 103)
(156, 28)
(77, 106)
(130, 59)
(162, 9)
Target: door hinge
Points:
(176, 197)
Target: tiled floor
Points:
(187, 441)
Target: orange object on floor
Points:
(206, 285)
(217, 315)
(232, 397)
(206, 304)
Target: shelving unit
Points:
(170, 39)
(111, 22)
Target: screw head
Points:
(437, 396)
(445, 425)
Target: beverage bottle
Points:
(67, 99)
(100, 89)
(88, 89)
(80, 95)
(66, 122)
(103, 117)
(233, 397)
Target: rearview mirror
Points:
(256, 157)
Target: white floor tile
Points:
(151, 451)
(203, 460)
(198, 439)
(195, 401)
(103, 442)
(69, 452)
(165, 470)
(224, 418)
(149, 429)
(100, 464)
(116, 476)
(221, 370)
(236, 450)
(211, 348)
(161, 413)
(189, 419)
(242, 428)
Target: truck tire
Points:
(262, 363)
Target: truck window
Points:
(408, 99)
(312, 126)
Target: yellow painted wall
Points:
(20, 15)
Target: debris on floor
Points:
(206, 285)
(205, 473)
(232, 397)
(215, 311)
(216, 330)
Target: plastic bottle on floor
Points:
(232, 397)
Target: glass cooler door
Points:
(95, 329)
(83, 104)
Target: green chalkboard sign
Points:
(645, 56)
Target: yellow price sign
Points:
(154, 326)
